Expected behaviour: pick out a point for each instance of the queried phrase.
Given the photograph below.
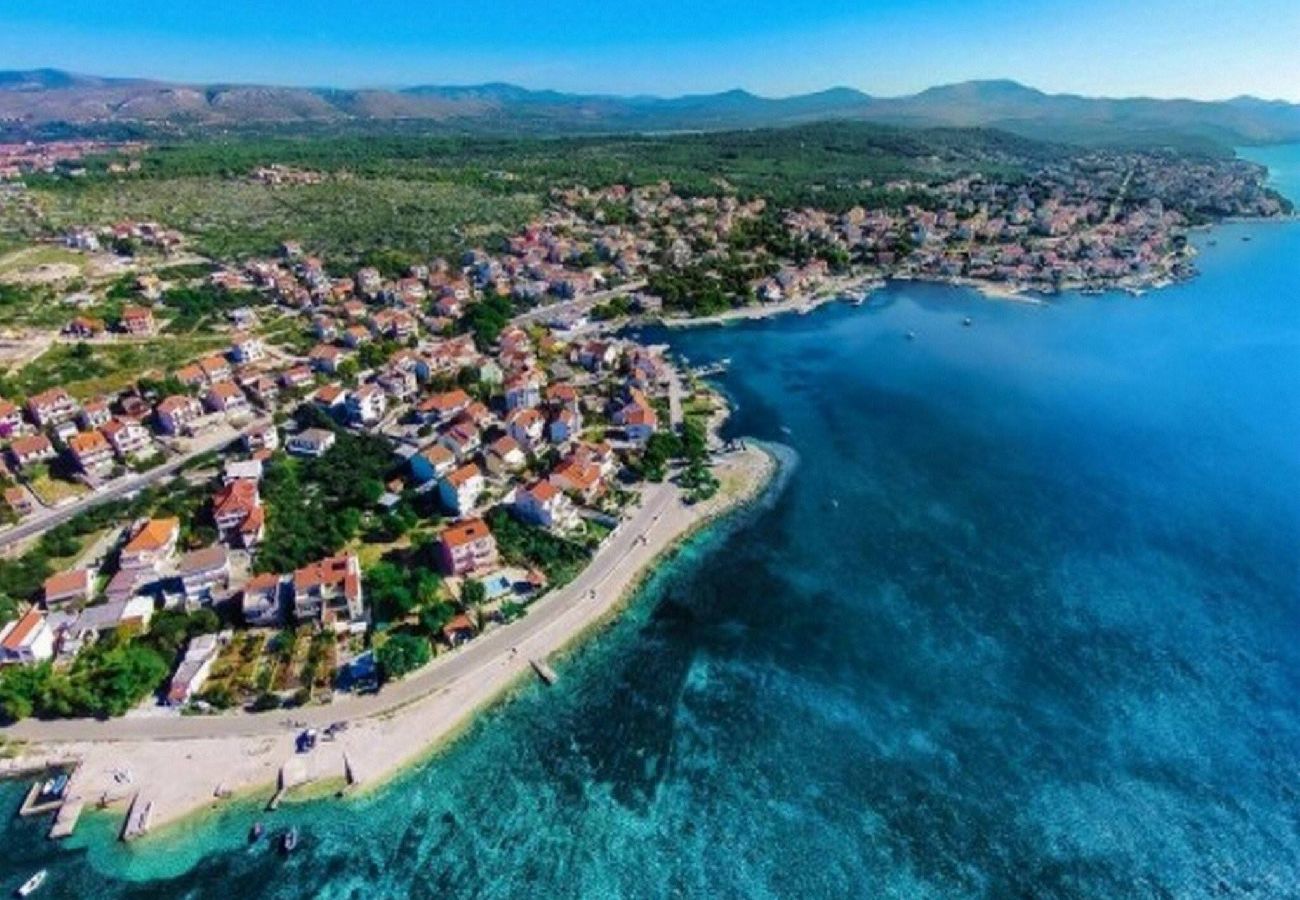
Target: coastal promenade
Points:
(185, 764)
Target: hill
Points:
(47, 102)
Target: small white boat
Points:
(31, 885)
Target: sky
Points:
(1206, 49)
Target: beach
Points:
(183, 765)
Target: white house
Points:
(460, 489)
(28, 639)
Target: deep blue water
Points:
(1021, 620)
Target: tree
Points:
(402, 653)
(472, 592)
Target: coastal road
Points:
(46, 519)
(547, 624)
(580, 305)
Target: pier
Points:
(544, 671)
(138, 818)
(65, 822)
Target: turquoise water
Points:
(1021, 619)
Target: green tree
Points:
(402, 653)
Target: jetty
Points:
(138, 818)
(544, 670)
(65, 822)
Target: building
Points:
(261, 602)
(311, 442)
(432, 463)
(91, 450)
(261, 437)
(203, 571)
(11, 418)
(247, 348)
(137, 320)
(176, 412)
(194, 669)
(459, 490)
(441, 407)
(51, 407)
(72, 586)
(366, 405)
(544, 504)
(151, 545)
(19, 500)
(527, 426)
(329, 592)
(128, 438)
(226, 397)
(34, 448)
(233, 504)
(467, 547)
(504, 455)
(29, 639)
(94, 413)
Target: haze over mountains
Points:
(39, 100)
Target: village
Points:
(496, 425)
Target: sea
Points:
(1020, 617)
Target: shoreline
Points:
(187, 776)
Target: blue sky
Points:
(1188, 48)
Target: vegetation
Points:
(402, 653)
(528, 545)
(88, 370)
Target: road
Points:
(46, 519)
(580, 305)
(546, 626)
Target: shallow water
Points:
(1020, 620)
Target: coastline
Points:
(186, 776)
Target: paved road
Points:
(550, 619)
(47, 518)
(581, 305)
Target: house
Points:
(330, 398)
(175, 412)
(461, 440)
(91, 450)
(265, 390)
(261, 602)
(523, 389)
(84, 327)
(504, 455)
(467, 547)
(203, 571)
(94, 413)
(19, 500)
(564, 426)
(51, 407)
(311, 442)
(215, 369)
(28, 639)
(296, 377)
(578, 475)
(193, 671)
(72, 586)
(544, 504)
(11, 418)
(236, 469)
(131, 612)
(366, 405)
(129, 438)
(226, 397)
(638, 420)
(247, 348)
(460, 489)
(261, 437)
(191, 376)
(31, 449)
(233, 504)
(441, 407)
(326, 358)
(459, 630)
(432, 463)
(137, 320)
(329, 591)
(151, 544)
(527, 426)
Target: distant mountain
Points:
(42, 99)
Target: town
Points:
(368, 466)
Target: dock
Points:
(34, 806)
(138, 818)
(544, 670)
(66, 820)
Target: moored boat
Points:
(31, 885)
(289, 842)
(255, 833)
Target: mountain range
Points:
(41, 100)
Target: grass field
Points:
(90, 370)
(54, 490)
(19, 261)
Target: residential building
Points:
(51, 407)
(366, 405)
(91, 450)
(31, 449)
(72, 586)
(329, 592)
(466, 547)
(204, 571)
(175, 412)
(504, 455)
(193, 671)
(28, 639)
(151, 544)
(137, 320)
(11, 418)
(247, 348)
(129, 438)
(261, 437)
(94, 413)
(226, 397)
(459, 490)
(311, 442)
(544, 504)
(233, 504)
(261, 602)
(432, 463)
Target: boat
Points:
(31, 885)
(255, 833)
(289, 842)
(911, 335)
(968, 321)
